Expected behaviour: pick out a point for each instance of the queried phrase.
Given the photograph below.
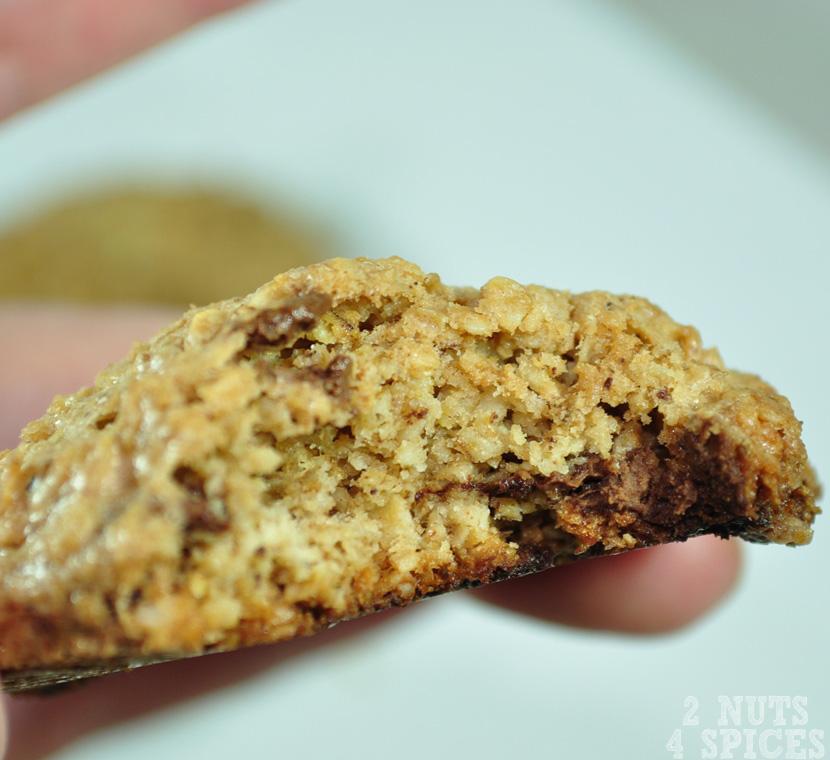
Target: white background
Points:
(568, 143)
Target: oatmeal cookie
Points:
(355, 435)
(176, 246)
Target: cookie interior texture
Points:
(355, 435)
(174, 245)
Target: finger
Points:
(48, 350)
(47, 45)
(42, 725)
(650, 591)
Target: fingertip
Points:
(699, 575)
(651, 591)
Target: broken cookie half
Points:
(355, 435)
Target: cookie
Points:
(151, 245)
(356, 435)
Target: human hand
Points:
(48, 350)
(47, 45)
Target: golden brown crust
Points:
(355, 435)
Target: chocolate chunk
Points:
(203, 512)
(297, 315)
(336, 375)
(513, 486)
(664, 490)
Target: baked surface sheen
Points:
(355, 435)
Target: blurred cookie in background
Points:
(158, 245)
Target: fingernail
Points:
(11, 88)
